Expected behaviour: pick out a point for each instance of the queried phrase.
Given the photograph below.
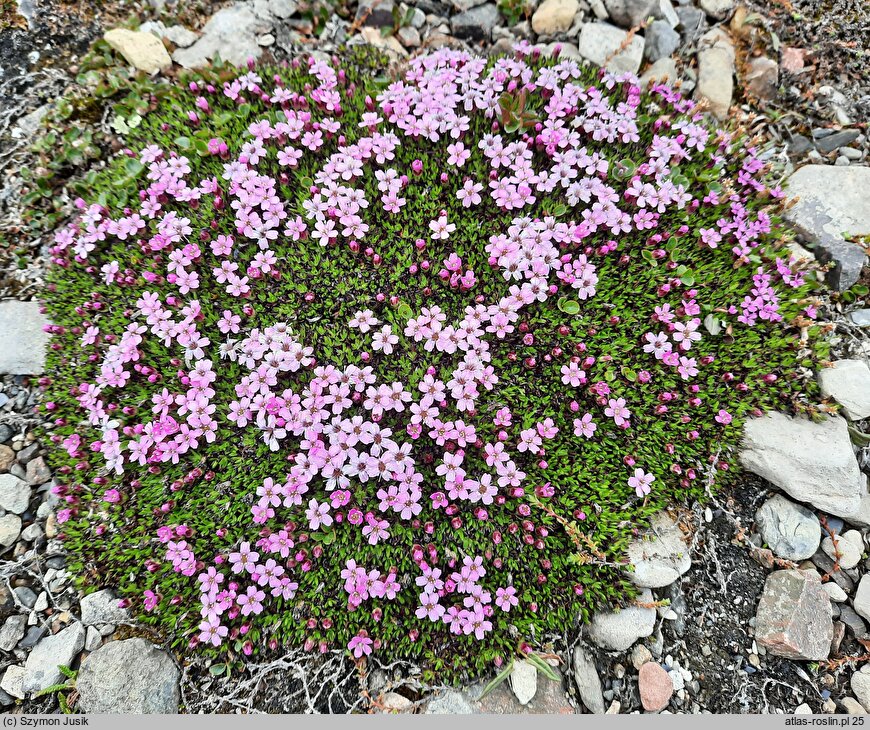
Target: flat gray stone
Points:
(618, 630)
(13, 680)
(715, 83)
(588, 682)
(130, 677)
(22, 339)
(61, 649)
(450, 702)
(232, 33)
(848, 382)
(860, 683)
(861, 601)
(102, 607)
(794, 617)
(832, 202)
(10, 529)
(12, 631)
(789, 529)
(14, 494)
(660, 556)
(661, 40)
(602, 41)
(812, 462)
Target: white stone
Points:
(102, 607)
(832, 203)
(848, 382)
(524, 681)
(717, 8)
(618, 630)
(554, 16)
(835, 593)
(715, 83)
(231, 33)
(588, 682)
(13, 681)
(861, 601)
(143, 51)
(14, 494)
(663, 71)
(812, 462)
(600, 43)
(22, 339)
(850, 545)
(861, 686)
(660, 556)
(10, 529)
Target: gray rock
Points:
(717, 8)
(861, 317)
(282, 8)
(102, 608)
(41, 669)
(129, 677)
(835, 593)
(588, 682)
(524, 681)
(231, 32)
(850, 545)
(692, 23)
(832, 203)
(462, 5)
(831, 142)
(12, 631)
(848, 382)
(661, 40)
(761, 77)
(554, 16)
(25, 597)
(618, 630)
(13, 680)
(659, 557)
(14, 494)
(861, 601)
(450, 702)
(716, 71)
(860, 683)
(853, 621)
(628, 13)
(794, 616)
(812, 462)
(475, 24)
(33, 637)
(22, 339)
(602, 41)
(93, 639)
(663, 71)
(375, 14)
(789, 529)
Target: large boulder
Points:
(794, 616)
(832, 202)
(231, 33)
(130, 677)
(812, 462)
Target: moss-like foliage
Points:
(585, 296)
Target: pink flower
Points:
(723, 417)
(360, 646)
(641, 482)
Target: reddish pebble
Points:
(655, 686)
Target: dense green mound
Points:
(402, 367)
